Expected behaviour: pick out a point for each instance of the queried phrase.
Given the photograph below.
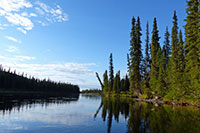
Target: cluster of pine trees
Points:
(10, 81)
(171, 71)
(114, 83)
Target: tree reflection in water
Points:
(145, 117)
(15, 102)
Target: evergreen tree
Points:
(118, 82)
(167, 46)
(155, 54)
(116, 85)
(181, 58)
(192, 47)
(128, 63)
(111, 74)
(162, 73)
(173, 73)
(122, 85)
(135, 57)
(147, 59)
(175, 42)
(105, 81)
(127, 83)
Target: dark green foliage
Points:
(10, 81)
(192, 48)
(116, 85)
(111, 73)
(181, 58)
(174, 43)
(128, 63)
(105, 82)
(162, 74)
(167, 45)
(91, 91)
(172, 72)
(146, 117)
(127, 83)
(135, 57)
(155, 58)
(174, 64)
(147, 60)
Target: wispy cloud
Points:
(15, 59)
(22, 30)
(12, 49)
(12, 39)
(22, 58)
(54, 14)
(76, 73)
(24, 14)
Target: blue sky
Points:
(69, 40)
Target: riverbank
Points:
(153, 101)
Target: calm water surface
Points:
(93, 114)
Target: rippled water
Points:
(93, 114)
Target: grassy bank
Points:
(143, 98)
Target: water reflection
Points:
(144, 118)
(86, 113)
(17, 102)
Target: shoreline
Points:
(153, 101)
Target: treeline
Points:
(10, 81)
(169, 72)
(92, 91)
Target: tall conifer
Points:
(105, 81)
(192, 46)
(155, 57)
(111, 73)
(147, 59)
(167, 46)
(135, 57)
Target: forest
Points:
(168, 71)
(12, 82)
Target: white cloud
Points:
(24, 14)
(22, 30)
(22, 58)
(19, 20)
(12, 39)
(75, 73)
(12, 49)
(6, 60)
(7, 6)
(33, 15)
(53, 14)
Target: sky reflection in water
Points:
(78, 115)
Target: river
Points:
(93, 114)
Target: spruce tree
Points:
(174, 64)
(181, 58)
(135, 57)
(116, 84)
(111, 74)
(162, 73)
(174, 42)
(167, 46)
(128, 63)
(155, 57)
(105, 81)
(192, 47)
(127, 83)
(147, 59)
